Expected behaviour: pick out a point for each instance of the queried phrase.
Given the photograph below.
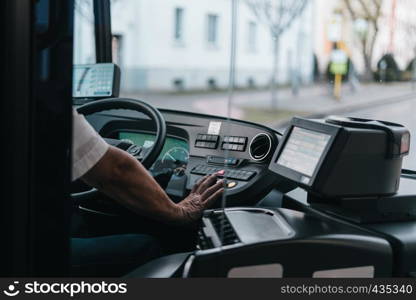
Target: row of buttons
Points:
(209, 145)
(232, 174)
(235, 139)
(222, 160)
(208, 141)
(234, 143)
(207, 137)
(233, 147)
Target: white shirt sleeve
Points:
(88, 147)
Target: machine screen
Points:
(303, 150)
(92, 81)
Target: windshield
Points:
(292, 57)
(262, 61)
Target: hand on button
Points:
(221, 172)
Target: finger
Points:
(212, 189)
(198, 183)
(214, 197)
(206, 183)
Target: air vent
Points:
(260, 146)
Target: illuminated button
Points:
(231, 184)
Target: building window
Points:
(252, 37)
(212, 32)
(178, 34)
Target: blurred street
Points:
(255, 105)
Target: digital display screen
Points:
(175, 150)
(303, 151)
(90, 81)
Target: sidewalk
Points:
(313, 100)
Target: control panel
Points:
(237, 153)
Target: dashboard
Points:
(197, 145)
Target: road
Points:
(403, 113)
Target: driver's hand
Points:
(203, 194)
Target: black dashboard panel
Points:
(215, 144)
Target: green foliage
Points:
(411, 64)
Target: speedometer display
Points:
(176, 155)
(175, 151)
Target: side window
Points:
(84, 38)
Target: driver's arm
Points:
(120, 176)
(123, 178)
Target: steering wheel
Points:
(147, 156)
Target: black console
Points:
(355, 218)
(255, 242)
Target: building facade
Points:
(167, 45)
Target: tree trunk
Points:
(368, 50)
(273, 81)
(368, 74)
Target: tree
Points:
(370, 11)
(278, 16)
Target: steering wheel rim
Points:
(131, 104)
